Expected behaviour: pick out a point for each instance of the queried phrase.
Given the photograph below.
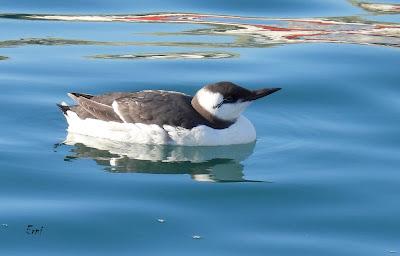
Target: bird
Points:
(212, 117)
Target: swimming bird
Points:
(212, 117)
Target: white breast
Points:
(242, 131)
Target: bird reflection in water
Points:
(213, 164)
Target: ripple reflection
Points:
(167, 56)
(215, 164)
(251, 31)
(378, 8)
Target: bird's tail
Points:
(64, 107)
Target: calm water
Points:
(323, 177)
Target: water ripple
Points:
(247, 31)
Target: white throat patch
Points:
(227, 111)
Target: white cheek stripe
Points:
(208, 100)
(226, 112)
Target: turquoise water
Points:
(322, 178)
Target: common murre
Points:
(212, 117)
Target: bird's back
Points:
(146, 107)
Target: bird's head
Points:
(225, 101)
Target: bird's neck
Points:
(214, 121)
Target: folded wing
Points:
(146, 107)
(157, 107)
(96, 107)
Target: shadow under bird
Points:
(212, 117)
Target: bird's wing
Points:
(157, 107)
(96, 109)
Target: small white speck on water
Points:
(4, 225)
(196, 237)
(161, 220)
(392, 251)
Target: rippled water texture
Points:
(321, 179)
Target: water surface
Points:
(322, 178)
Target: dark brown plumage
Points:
(162, 107)
(146, 107)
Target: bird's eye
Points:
(229, 99)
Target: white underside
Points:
(241, 132)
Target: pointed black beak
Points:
(256, 94)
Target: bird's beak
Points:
(256, 94)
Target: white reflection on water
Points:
(218, 164)
(384, 8)
(246, 31)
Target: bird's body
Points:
(164, 117)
